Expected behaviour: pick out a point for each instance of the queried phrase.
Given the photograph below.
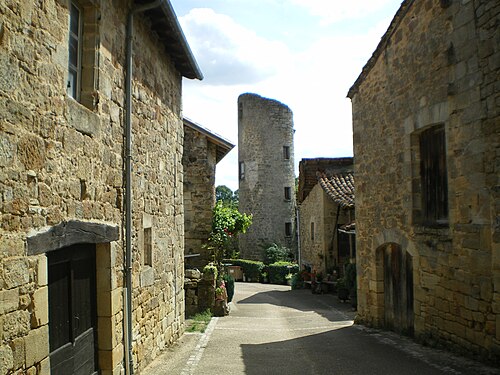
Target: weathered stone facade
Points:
(266, 170)
(437, 67)
(320, 217)
(202, 151)
(62, 180)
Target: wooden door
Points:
(72, 310)
(398, 290)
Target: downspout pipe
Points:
(129, 360)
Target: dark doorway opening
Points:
(72, 310)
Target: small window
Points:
(74, 52)
(288, 193)
(288, 229)
(286, 152)
(312, 231)
(148, 247)
(242, 170)
(433, 175)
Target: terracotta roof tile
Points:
(339, 187)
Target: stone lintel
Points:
(69, 233)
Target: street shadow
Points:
(345, 350)
(326, 305)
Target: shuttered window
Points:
(433, 175)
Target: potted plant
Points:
(288, 278)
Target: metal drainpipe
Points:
(129, 361)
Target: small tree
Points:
(226, 196)
(276, 253)
(227, 223)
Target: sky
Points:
(304, 53)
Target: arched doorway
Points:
(398, 288)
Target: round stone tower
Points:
(266, 174)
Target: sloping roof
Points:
(164, 22)
(223, 145)
(339, 187)
(384, 41)
(308, 169)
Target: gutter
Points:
(129, 360)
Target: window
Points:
(288, 193)
(148, 247)
(433, 175)
(75, 52)
(288, 229)
(286, 152)
(312, 231)
(242, 170)
(83, 53)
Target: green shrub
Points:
(277, 253)
(279, 270)
(251, 268)
(229, 281)
(210, 269)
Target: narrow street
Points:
(274, 330)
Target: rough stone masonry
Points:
(429, 243)
(61, 167)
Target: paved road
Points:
(274, 330)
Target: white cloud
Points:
(331, 11)
(229, 54)
(313, 82)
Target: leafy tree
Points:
(226, 196)
(227, 223)
(277, 253)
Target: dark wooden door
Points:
(72, 310)
(398, 290)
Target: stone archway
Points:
(396, 275)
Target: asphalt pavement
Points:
(274, 330)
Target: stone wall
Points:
(61, 160)
(199, 162)
(437, 64)
(265, 126)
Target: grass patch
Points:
(199, 322)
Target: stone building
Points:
(266, 174)
(202, 151)
(91, 203)
(426, 146)
(326, 205)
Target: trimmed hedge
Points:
(251, 268)
(279, 270)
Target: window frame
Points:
(75, 92)
(288, 229)
(286, 152)
(241, 170)
(288, 193)
(148, 246)
(433, 176)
